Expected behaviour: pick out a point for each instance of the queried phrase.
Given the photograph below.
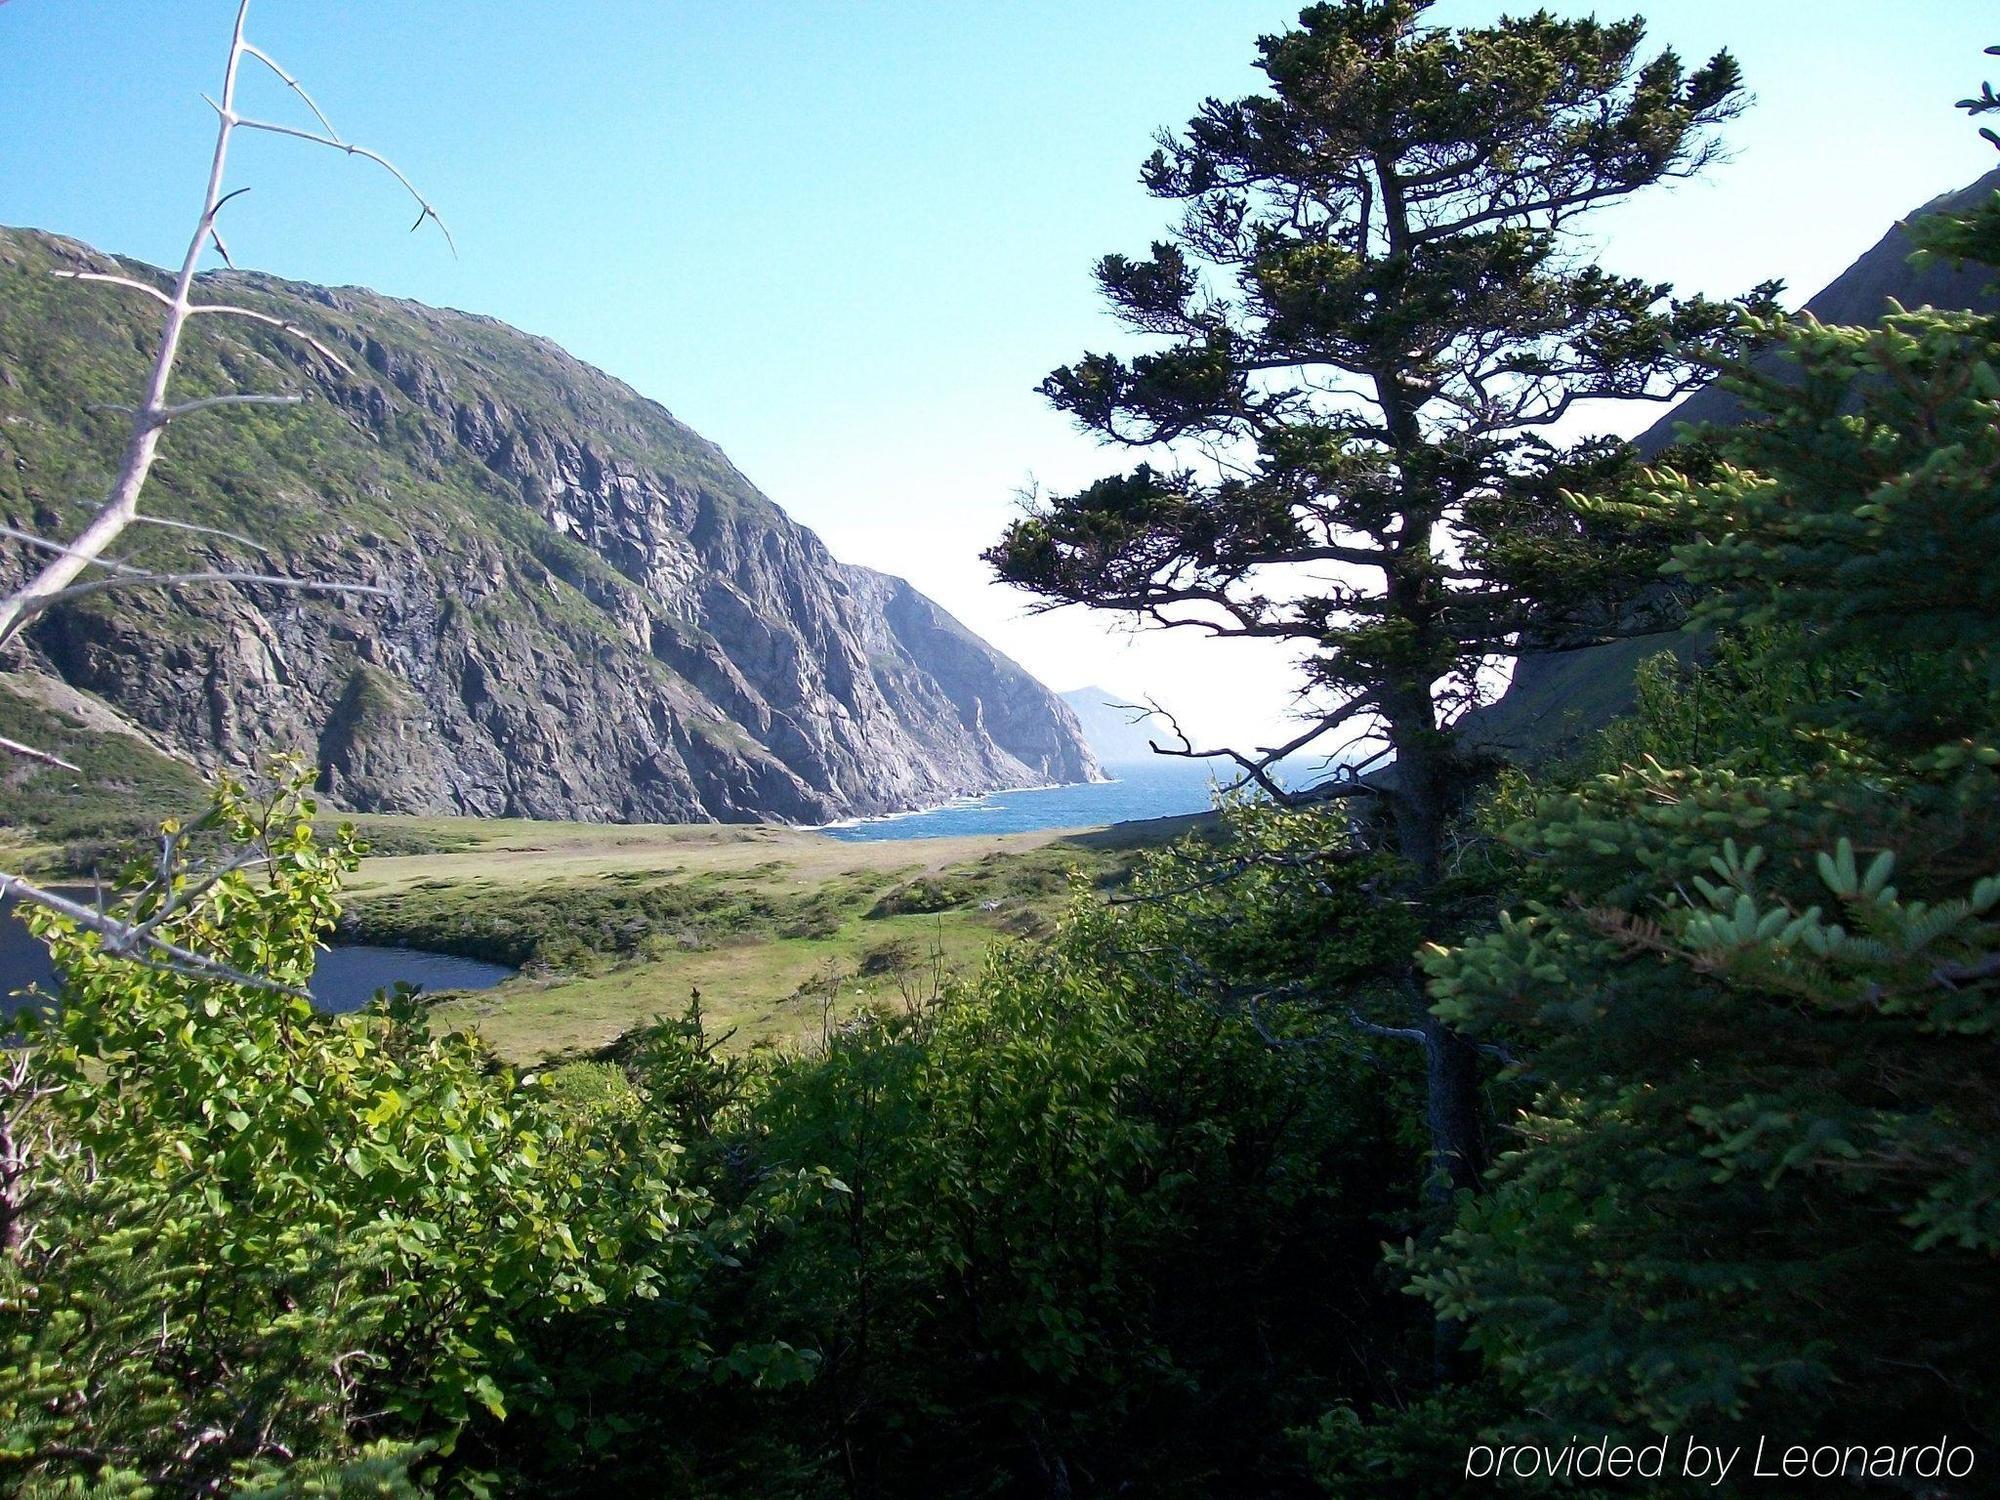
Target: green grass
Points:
(783, 930)
(63, 822)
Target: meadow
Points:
(785, 931)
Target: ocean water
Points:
(1163, 788)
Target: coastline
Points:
(965, 799)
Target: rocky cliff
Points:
(588, 612)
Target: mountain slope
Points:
(590, 613)
(1860, 294)
(1558, 696)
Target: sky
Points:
(846, 240)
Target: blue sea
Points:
(1162, 788)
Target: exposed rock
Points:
(586, 611)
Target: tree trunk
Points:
(1422, 802)
(1452, 1110)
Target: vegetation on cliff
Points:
(589, 612)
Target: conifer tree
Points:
(1370, 314)
(1761, 1190)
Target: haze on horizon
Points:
(847, 245)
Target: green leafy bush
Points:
(921, 897)
(261, 1242)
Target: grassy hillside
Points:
(55, 819)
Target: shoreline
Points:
(966, 799)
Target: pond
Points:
(347, 977)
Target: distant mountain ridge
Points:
(1557, 696)
(591, 613)
(1117, 732)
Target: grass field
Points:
(781, 929)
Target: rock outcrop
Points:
(585, 611)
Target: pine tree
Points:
(1371, 312)
(1762, 1188)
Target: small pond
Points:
(347, 977)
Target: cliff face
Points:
(589, 613)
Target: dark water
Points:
(346, 978)
(1163, 788)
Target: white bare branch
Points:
(211, 403)
(42, 543)
(128, 578)
(224, 310)
(125, 281)
(29, 539)
(424, 208)
(231, 536)
(15, 747)
(125, 940)
(294, 85)
(125, 575)
(213, 309)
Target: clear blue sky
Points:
(845, 240)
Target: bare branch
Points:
(125, 281)
(210, 403)
(220, 309)
(159, 417)
(233, 536)
(29, 539)
(1258, 768)
(15, 747)
(173, 901)
(127, 578)
(211, 309)
(424, 209)
(293, 84)
(123, 940)
(1399, 1033)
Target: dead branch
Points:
(231, 536)
(152, 412)
(127, 578)
(122, 939)
(1257, 768)
(29, 752)
(61, 577)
